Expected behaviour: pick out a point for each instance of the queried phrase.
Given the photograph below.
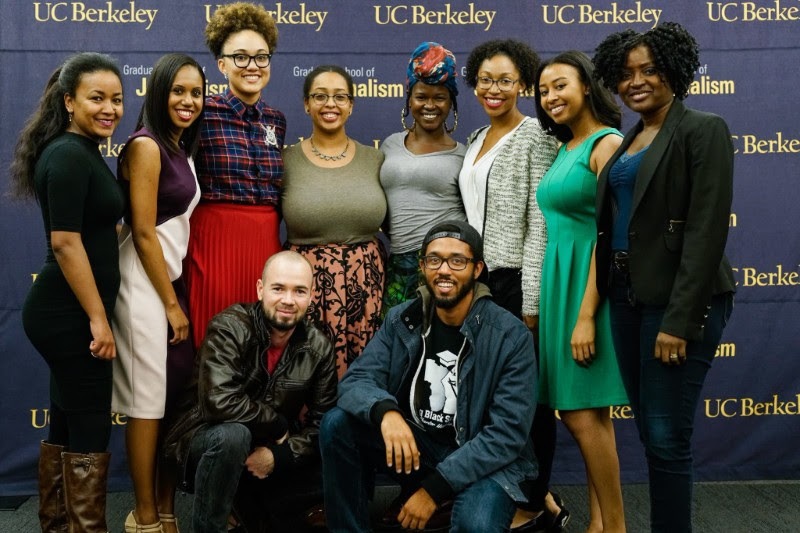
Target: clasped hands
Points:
(261, 461)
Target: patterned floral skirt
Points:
(347, 296)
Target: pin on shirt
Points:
(269, 135)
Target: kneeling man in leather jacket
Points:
(237, 435)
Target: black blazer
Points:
(679, 219)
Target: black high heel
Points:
(546, 522)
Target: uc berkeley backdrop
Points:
(748, 422)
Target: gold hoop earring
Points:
(455, 123)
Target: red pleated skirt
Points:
(228, 246)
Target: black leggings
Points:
(79, 432)
(80, 385)
(506, 287)
(80, 401)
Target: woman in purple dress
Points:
(155, 354)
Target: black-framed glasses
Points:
(504, 84)
(340, 99)
(456, 262)
(243, 60)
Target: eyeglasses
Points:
(340, 99)
(504, 84)
(243, 60)
(456, 262)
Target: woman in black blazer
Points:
(663, 206)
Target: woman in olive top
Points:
(333, 206)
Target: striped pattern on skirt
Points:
(228, 246)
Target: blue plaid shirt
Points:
(240, 158)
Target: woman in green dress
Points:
(579, 375)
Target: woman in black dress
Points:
(66, 314)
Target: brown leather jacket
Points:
(231, 384)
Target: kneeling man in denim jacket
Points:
(444, 395)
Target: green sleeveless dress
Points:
(566, 196)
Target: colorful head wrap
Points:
(433, 64)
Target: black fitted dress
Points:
(77, 192)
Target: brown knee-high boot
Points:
(52, 515)
(85, 481)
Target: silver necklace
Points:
(329, 157)
(577, 143)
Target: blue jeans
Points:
(217, 454)
(352, 451)
(664, 398)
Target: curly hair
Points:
(675, 54)
(238, 17)
(50, 118)
(601, 103)
(522, 55)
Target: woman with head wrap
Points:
(420, 172)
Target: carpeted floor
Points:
(741, 507)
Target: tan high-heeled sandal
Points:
(167, 518)
(132, 526)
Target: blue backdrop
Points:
(748, 417)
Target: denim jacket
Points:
(496, 388)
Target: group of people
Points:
(551, 263)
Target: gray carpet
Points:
(740, 507)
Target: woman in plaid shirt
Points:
(235, 228)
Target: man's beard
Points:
(281, 325)
(451, 301)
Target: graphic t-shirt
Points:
(435, 383)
